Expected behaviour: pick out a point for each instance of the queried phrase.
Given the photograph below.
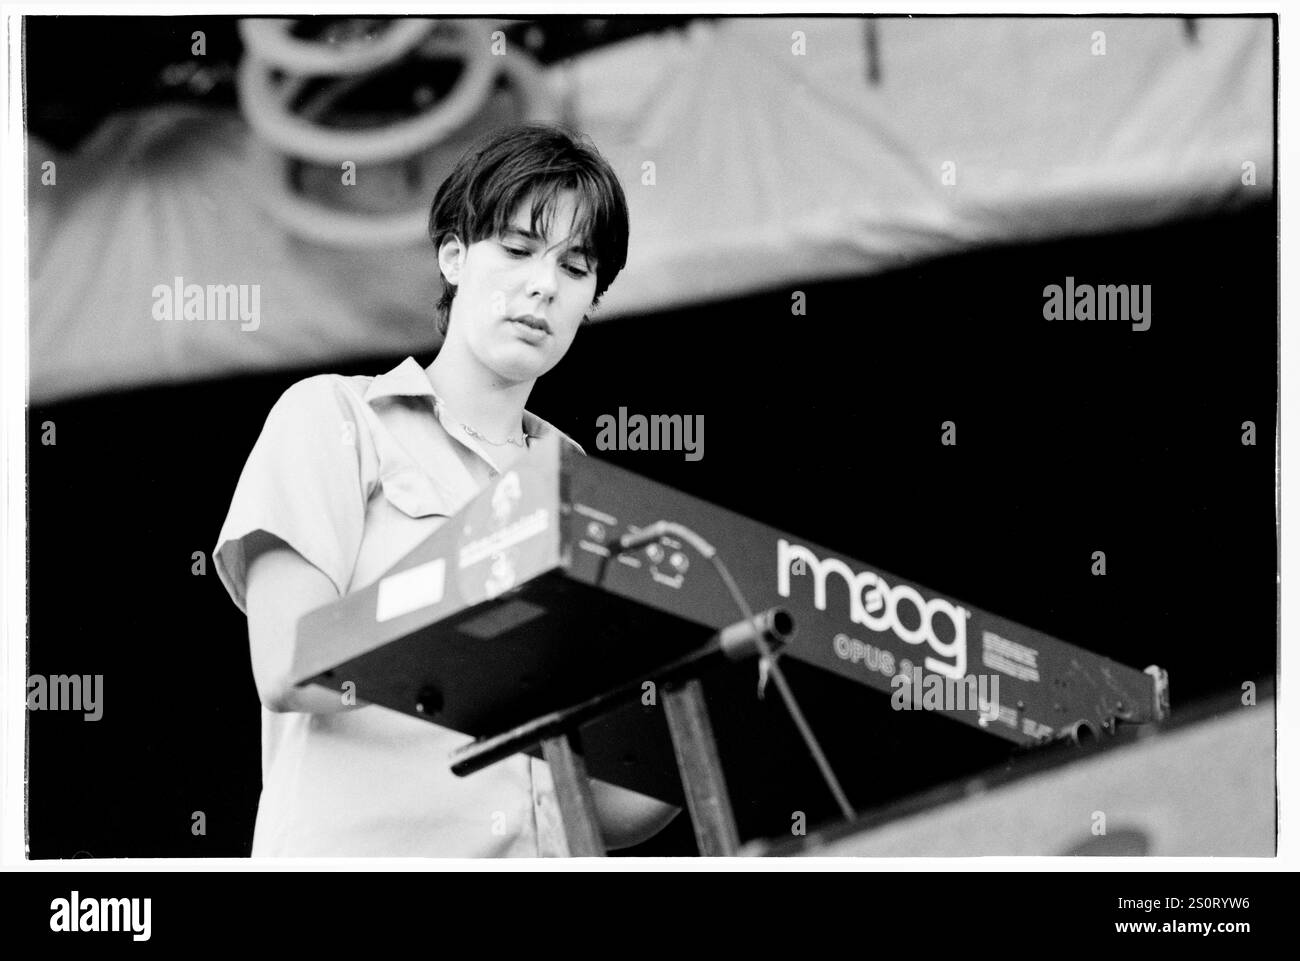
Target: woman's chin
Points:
(514, 366)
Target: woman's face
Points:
(520, 298)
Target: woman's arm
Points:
(281, 586)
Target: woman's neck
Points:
(478, 397)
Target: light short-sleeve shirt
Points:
(353, 472)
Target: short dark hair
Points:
(480, 195)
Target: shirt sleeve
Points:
(302, 482)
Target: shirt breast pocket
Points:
(414, 493)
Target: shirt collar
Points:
(408, 379)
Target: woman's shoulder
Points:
(321, 393)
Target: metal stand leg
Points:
(688, 723)
(573, 792)
(697, 758)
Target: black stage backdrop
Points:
(1072, 437)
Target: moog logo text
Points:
(874, 604)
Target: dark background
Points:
(1072, 437)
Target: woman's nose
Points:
(544, 278)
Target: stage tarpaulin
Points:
(754, 152)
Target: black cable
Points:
(767, 659)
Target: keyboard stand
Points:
(696, 751)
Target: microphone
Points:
(774, 625)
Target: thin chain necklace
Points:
(520, 441)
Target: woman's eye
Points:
(573, 269)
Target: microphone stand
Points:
(688, 725)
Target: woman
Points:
(351, 473)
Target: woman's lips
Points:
(529, 331)
(531, 320)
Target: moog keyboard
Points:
(520, 604)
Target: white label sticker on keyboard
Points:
(410, 590)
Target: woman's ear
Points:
(451, 256)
